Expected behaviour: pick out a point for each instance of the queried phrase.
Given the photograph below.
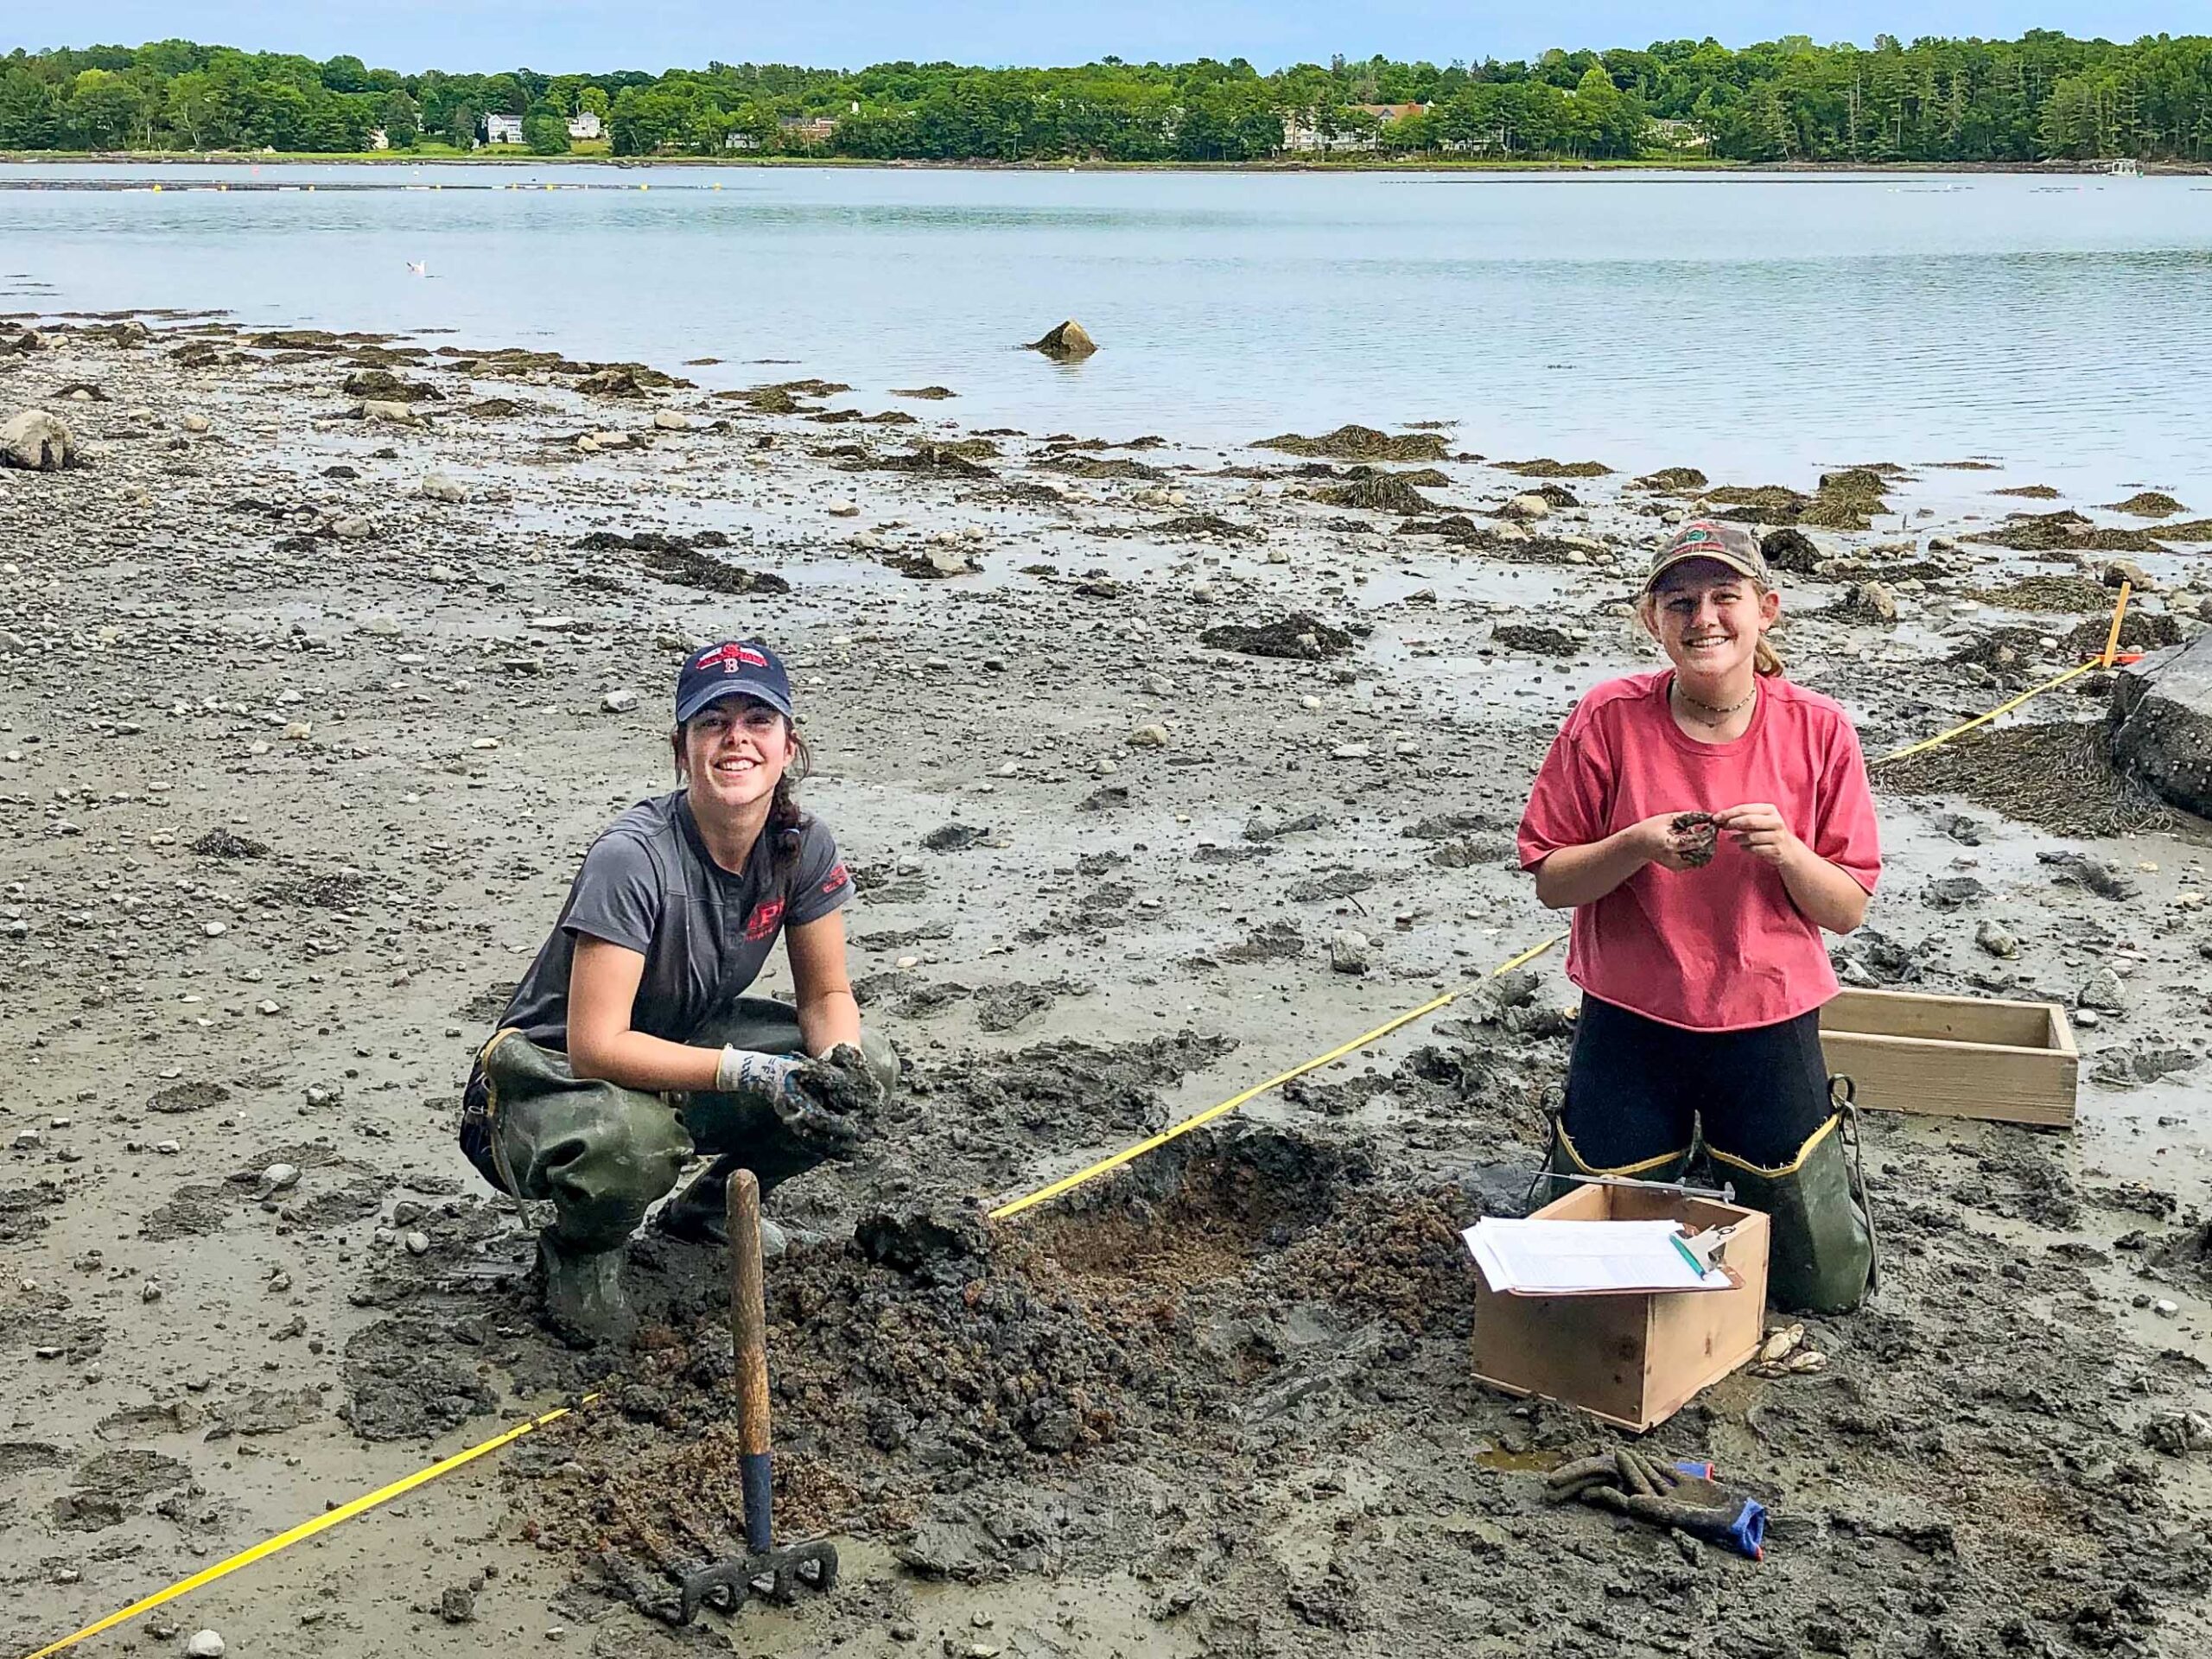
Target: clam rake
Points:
(778, 1575)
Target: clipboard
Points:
(1542, 1258)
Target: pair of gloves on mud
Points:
(823, 1101)
(1683, 1497)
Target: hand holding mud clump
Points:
(831, 1101)
(1691, 837)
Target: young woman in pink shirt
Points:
(1707, 824)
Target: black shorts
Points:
(1637, 1091)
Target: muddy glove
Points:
(1684, 1495)
(820, 1103)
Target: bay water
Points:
(1761, 326)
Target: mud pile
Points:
(934, 1349)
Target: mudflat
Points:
(1161, 768)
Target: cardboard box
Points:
(1954, 1056)
(1632, 1358)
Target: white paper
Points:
(1564, 1258)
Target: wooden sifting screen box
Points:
(1954, 1056)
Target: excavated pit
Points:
(1135, 1322)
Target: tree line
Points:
(2044, 96)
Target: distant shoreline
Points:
(1349, 164)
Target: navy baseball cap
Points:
(735, 668)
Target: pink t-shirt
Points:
(1723, 947)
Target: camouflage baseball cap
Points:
(1711, 538)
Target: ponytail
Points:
(786, 819)
(1767, 662)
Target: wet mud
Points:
(1234, 774)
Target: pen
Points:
(1687, 1255)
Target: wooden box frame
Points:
(1954, 1056)
(1630, 1358)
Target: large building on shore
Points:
(1328, 132)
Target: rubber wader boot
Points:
(1820, 1251)
(584, 1296)
(700, 1213)
(1562, 1160)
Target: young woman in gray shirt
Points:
(630, 1046)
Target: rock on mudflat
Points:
(383, 409)
(1070, 339)
(2162, 724)
(438, 487)
(205, 1644)
(37, 441)
(2104, 992)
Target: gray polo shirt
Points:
(648, 885)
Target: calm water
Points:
(1759, 327)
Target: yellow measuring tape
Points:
(384, 1495)
(1153, 1143)
(2112, 649)
(308, 1530)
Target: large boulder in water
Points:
(1070, 339)
(2162, 724)
(38, 441)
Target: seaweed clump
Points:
(2050, 595)
(1545, 467)
(1848, 499)
(1378, 492)
(935, 458)
(1671, 481)
(1353, 442)
(1297, 637)
(1845, 500)
(2064, 531)
(2149, 504)
(2058, 775)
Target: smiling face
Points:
(1709, 619)
(733, 754)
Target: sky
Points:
(561, 35)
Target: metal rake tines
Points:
(780, 1575)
